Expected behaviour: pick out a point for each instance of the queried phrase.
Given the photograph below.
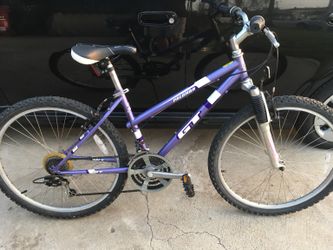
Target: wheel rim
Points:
(259, 191)
(70, 131)
(322, 129)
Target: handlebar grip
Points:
(257, 24)
(224, 9)
(228, 10)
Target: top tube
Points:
(207, 80)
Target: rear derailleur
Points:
(55, 181)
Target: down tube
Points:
(199, 114)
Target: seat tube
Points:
(119, 92)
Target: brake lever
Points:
(270, 35)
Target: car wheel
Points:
(325, 95)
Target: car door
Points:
(305, 52)
(35, 49)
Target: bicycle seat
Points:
(91, 53)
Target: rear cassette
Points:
(139, 167)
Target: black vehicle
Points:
(177, 40)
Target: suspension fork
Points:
(264, 120)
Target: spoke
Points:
(58, 133)
(51, 125)
(301, 139)
(296, 178)
(39, 134)
(32, 174)
(291, 129)
(256, 135)
(63, 126)
(30, 134)
(241, 139)
(19, 147)
(286, 182)
(77, 187)
(307, 162)
(241, 182)
(299, 173)
(265, 187)
(307, 145)
(40, 130)
(299, 129)
(284, 189)
(281, 128)
(63, 200)
(98, 189)
(70, 128)
(277, 200)
(257, 143)
(298, 142)
(30, 191)
(32, 139)
(244, 152)
(279, 123)
(255, 188)
(41, 193)
(15, 170)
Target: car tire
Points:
(325, 95)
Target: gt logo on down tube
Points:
(188, 126)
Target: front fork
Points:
(264, 120)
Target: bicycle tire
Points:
(46, 207)
(265, 197)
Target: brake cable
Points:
(251, 71)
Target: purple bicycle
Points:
(61, 158)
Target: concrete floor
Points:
(168, 219)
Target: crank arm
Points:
(156, 174)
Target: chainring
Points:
(141, 164)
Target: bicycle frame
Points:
(236, 70)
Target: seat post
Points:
(140, 143)
(114, 77)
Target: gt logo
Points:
(189, 125)
(94, 171)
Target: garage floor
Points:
(168, 219)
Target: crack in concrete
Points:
(148, 221)
(183, 232)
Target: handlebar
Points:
(255, 25)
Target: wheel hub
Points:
(54, 158)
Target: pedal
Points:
(188, 186)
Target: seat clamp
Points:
(119, 93)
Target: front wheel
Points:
(241, 171)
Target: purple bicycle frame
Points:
(236, 70)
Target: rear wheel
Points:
(241, 171)
(33, 135)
